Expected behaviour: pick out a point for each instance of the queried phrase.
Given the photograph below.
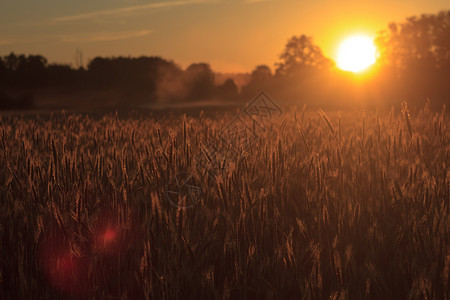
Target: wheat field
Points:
(317, 205)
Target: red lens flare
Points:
(64, 270)
(74, 263)
(109, 236)
(108, 239)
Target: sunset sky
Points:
(231, 35)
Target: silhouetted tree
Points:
(12, 61)
(417, 43)
(415, 58)
(199, 79)
(138, 74)
(227, 90)
(63, 75)
(32, 70)
(299, 75)
(261, 73)
(24, 71)
(3, 73)
(299, 55)
(261, 78)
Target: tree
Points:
(414, 58)
(62, 75)
(227, 90)
(420, 42)
(32, 70)
(200, 81)
(25, 71)
(261, 78)
(3, 72)
(261, 73)
(12, 61)
(137, 74)
(301, 54)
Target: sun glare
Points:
(356, 53)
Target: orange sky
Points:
(231, 35)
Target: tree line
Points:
(413, 65)
(155, 77)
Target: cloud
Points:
(129, 9)
(106, 37)
(16, 41)
(256, 1)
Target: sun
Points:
(356, 53)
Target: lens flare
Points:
(64, 270)
(109, 236)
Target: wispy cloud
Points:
(106, 37)
(256, 1)
(123, 10)
(22, 40)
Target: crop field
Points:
(304, 204)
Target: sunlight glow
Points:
(356, 53)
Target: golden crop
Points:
(352, 205)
